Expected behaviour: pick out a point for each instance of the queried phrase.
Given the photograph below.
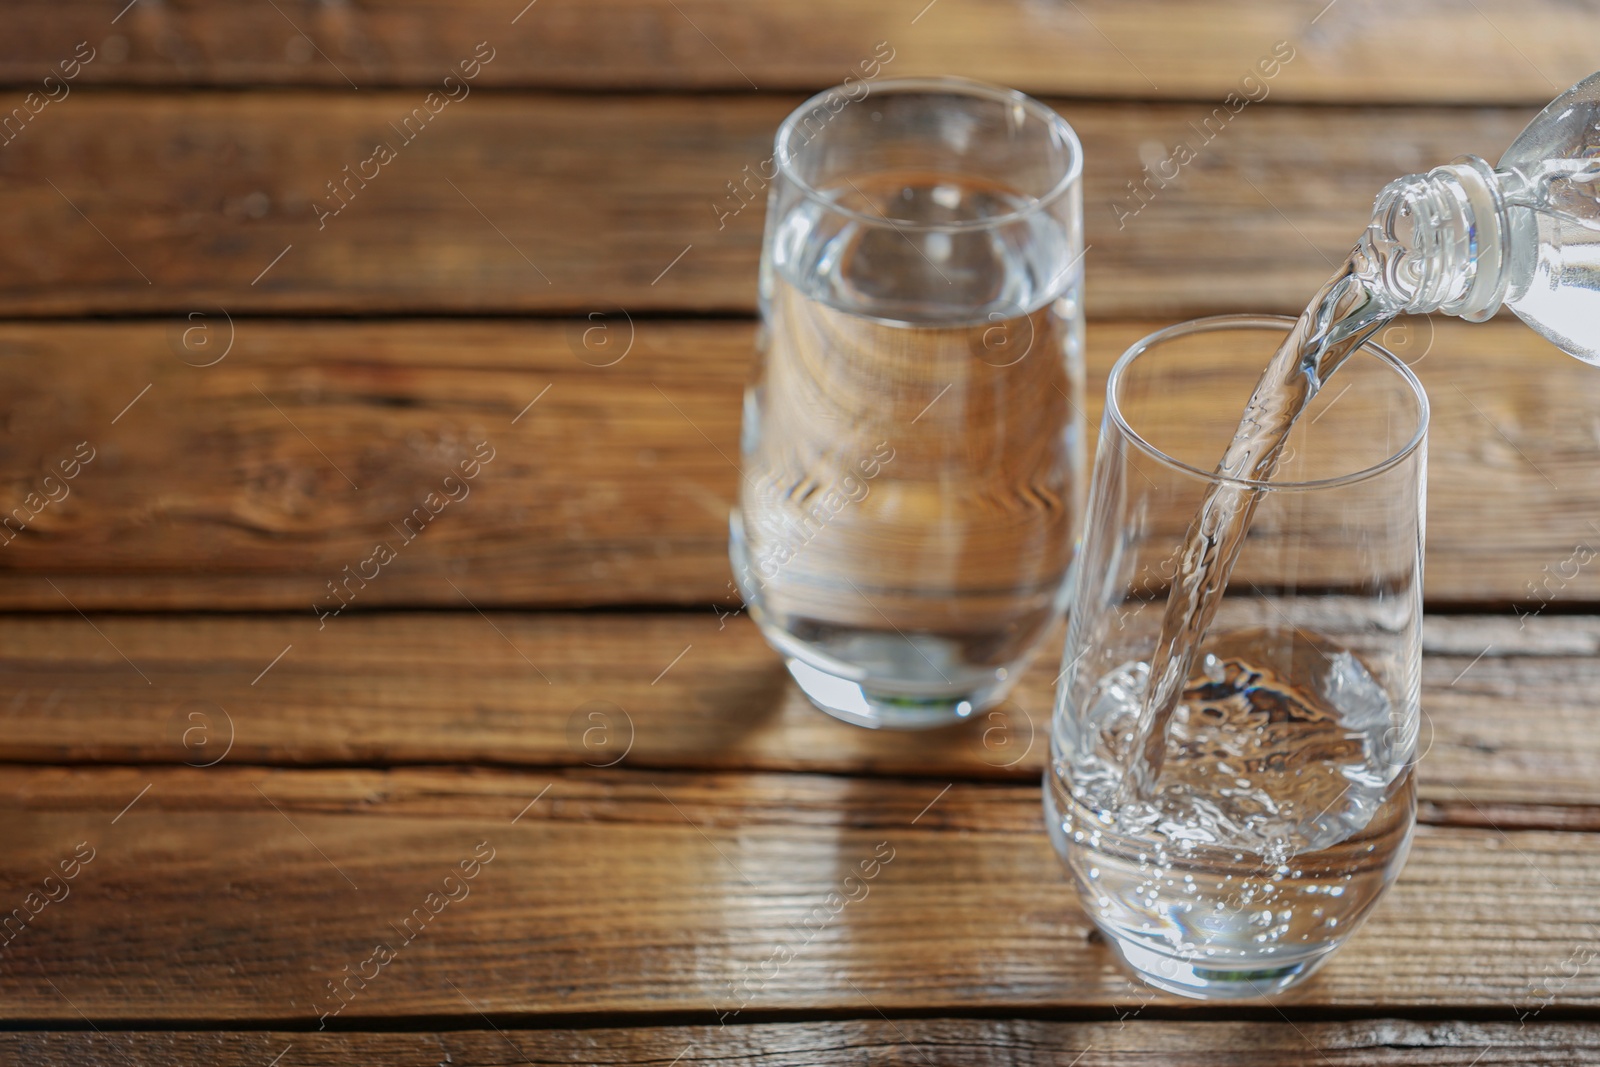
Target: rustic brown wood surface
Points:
(650, 891)
(254, 482)
(933, 1042)
(1492, 51)
(175, 202)
(1510, 725)
(552, 281)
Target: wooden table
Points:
(539, 793)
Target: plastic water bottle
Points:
(1466, 237)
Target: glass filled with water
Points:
(912, 447)
(1226, 841)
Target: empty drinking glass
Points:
(1282, 803)
(913, 437)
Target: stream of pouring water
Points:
(1344, 313)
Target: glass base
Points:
(1246, 976)
(1188, 978)
(875, 709)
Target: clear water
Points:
(1283, 810)
(1344, 313)
(1561, 298)
(913, 466)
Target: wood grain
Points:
(848, 1043)
(523, 203)
(654, 807)
(1359, 50)
(232, 893)
(689, 692)
(234, 485)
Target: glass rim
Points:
(1211, 323)
(948, 85)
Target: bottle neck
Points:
(1440, 241)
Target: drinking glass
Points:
(1285, 803)
(913, 438)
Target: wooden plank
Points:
(1503, 52)
(519, 203)
(232, 893)
(848, 1043)
(218, 480)
(688, 692)
(233, 485)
